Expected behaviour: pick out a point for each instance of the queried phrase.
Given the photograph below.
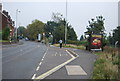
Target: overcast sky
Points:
(78, 13)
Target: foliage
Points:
(21, 31)
(57, 30)
(96, 26)
(77, 42)
(5, 33)
(34, 29)
(0, 34)
(116, 35)
(71, 46)
(81, 38)
(106, 65)
(71, 34)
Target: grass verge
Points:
(106, 66)
(4, 40)
(71, 46)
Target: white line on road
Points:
(37, 68)
(56, 68)
(69, 54)
(40, 63)
(33, 77)
(60, 55)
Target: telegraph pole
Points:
(16, 21)
(66, 26)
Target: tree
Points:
(57, 30)
(37, 27)
(21, 31)
(5, 33)
(96, 26)
(57, 17)
(81, 38)
(116, 36)
(71, 34)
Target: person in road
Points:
(60, 41)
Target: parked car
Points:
(26, 39)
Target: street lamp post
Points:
(66, 25)
(16, 21)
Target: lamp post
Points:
(66, 25)
(16, 21)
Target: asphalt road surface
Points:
(20, 62)
(85, 61)
(34, 60)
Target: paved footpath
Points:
(80, 68)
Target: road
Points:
(85, 62)
(34, 60)
(19, 62)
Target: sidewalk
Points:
(85, 63)
(12, 44)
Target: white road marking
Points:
(40, 63)
(69, 54)
(33, 77)
(75, 70)
(56, 54)
(55, 68)
(60, 55)
(37, 68)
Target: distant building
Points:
(119, 13)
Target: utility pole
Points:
(16, 21)
(66, 26)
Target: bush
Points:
(77, 42)
(5, 33)
(100, 61)
(0, 35)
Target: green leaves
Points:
(5, 33)
(96, 27)
(58, 31)
(37, 27)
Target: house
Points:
(6, 21)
